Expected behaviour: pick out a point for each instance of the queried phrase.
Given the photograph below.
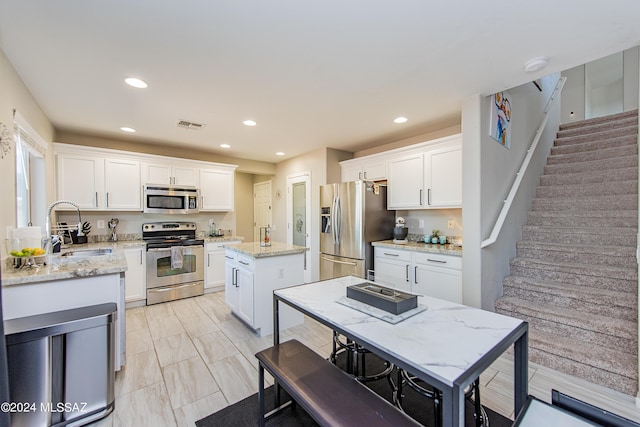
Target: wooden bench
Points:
(328, 394)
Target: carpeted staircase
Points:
(575, 276)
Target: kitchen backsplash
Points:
(130, 225)
(423, 222)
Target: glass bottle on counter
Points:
(265, 236)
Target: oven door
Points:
(160, 273)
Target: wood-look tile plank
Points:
(162, 327)
(188, 381)
(148, 406)
(174, 348)
(187, 415)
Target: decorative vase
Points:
(434, 240)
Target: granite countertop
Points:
(253, 249)
(209, 239)
(67, 268)
(422, 247)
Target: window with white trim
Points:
(30, 174)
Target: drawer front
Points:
(399, 255)
(230, 256)
(437, 260)
(246, 262)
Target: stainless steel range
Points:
(175, 261)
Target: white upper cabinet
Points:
(217, 189)
(406, 182)
(168, 174)
(80, 180)
(97, 183)
(427, 178)
(103, 179)
(371, 169)
(122, 184)
(443, 178)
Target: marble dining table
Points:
(447, 345)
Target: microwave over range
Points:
(163, 199)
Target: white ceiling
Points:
(330, 73)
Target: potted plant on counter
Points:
(435, 235)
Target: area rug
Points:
(245, 412)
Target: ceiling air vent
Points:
(190, 125)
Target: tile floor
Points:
(187, 359)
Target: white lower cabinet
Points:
(214, 273)
(392, 267)
(135, 276)
(249, 286)
(438, 276)
(422, 273)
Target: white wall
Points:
(484, 192)
(15, 95)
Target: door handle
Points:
(340, 262)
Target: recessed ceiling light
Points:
(536, 64)
(249, 123)
(225, 146)
(400, 120)
(127, 129)
(132, 81)
(279, 153)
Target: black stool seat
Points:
(356, 361)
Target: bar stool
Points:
(356, 361)
(472, 393)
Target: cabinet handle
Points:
(107, 199)
(201, 201)
(208, 260)
(429, 196)
(436, 260)
(420, 201)
(415, 275)
(96, 199)
(365, 174)
(140, 257)
(243, 263)
(359, 175)
(386, 253)
(236, 274)
(406, 273)
(228, 257)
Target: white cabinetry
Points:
(135, 276)
(372, 169)
(422, 273)
(406, 182)
(249, 286)
(428, 178)
(169, 174)
(98, 183)
(217, 189)
(214, 274)
(392, 267)
(438, 276)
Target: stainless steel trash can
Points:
(61, 366)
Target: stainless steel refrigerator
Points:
(353, 214)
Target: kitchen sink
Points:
(81, 253)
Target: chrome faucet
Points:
(47, 242)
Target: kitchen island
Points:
(68, 282)
(253, 272)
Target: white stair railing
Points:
(523, 168)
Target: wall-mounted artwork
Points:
(500, 127)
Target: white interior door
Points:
(261, 207)
(299, 215)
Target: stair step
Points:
(597, 276)
(598, 127)
(608, 367)
(592, 176)
(587, 156)
(593, 254)
(595, 144)
(587, 137)
(593, 165)
(603, 302)
(564, 235)
(598, 120)
(585, 204)
(589, 189)
(586, 327)
(593, 218)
